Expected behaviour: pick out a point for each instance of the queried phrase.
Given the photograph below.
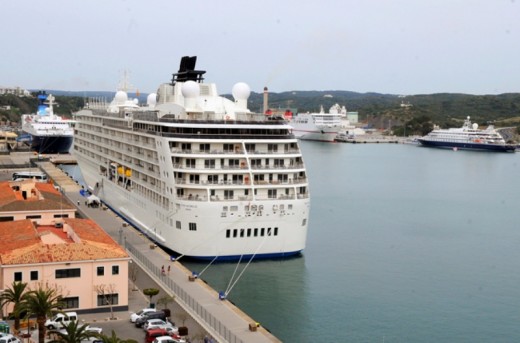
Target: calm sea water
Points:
(406, 244)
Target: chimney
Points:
(266, 100)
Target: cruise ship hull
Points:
(214, 236)
(51, 144)
(468, 146)
(320, 136)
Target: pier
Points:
(222, 319)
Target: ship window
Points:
(228, 233)
(271, 193)
(235, 232)
(204, 147)
(209, 164)
(276, 231)
(233, 208)
(262, 232)
(228, 147)
(193, 226)
(250, 147)
(249, 232)
(255, 232)
(228, 194)
(269, 231)
(272, 147)
(190, 163)
(289, 207)
(224, 208)
(178, 224)
(242, 232)
(304, 221)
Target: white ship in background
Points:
(319, 126)
(467, 137)
(47, 132)
(198, 173)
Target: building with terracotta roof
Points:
(37, 201)
(80, 259)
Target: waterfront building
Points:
(77, 257)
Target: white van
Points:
(60, 320)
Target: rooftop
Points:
(79, 240)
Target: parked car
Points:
(152, 334)
(169, 339)
(152, 315)
(61, 320)
(94, 329)
(136, 315)
(9, 339)
(156, 323)
(169, 327)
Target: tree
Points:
(107, 291)
(74, 333)
(15, 295)
(133, 273)
(43, 302)
(150, 292)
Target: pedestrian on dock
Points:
(162, 270)
(169, 267)
(78, 202)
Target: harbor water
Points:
(405, 244)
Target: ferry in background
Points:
(198, 173)
(319, 126)
(47, 132)
(468, 137)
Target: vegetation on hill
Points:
(64, 106)
(411, 114)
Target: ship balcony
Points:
(247, 183)
(242, 166)
(184, 152)
(216, 198)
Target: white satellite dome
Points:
(151, 100)
(190, 89)
(241, 91)
(121, 97)
(136, 101)
(475, 126)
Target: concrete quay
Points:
(220, 318)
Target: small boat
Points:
(468, 137)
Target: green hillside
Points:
(381, 111)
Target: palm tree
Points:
(43, 302)
(73, 333)
(15, 295)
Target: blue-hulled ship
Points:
(50, 134)
(468, 137)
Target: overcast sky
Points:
(385, 46)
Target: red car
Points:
(152, 334)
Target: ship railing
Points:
(232, 152)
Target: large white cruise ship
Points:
(319, 126)
(468, 137)
(197, 173)
(49, 133)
